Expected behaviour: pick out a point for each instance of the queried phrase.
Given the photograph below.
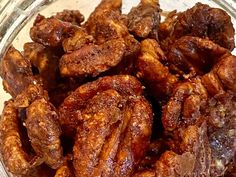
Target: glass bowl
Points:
(17, 16)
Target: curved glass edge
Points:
(13, 16)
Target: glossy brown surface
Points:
(44, 132)
(16, 72)
(91, 60)
(203, 21)
(72, 16)
(46, 61)
(190, 56)
(15, 158)
(77, 41)
(143, 20)
(152, 71)
(113, 126)
(70, 117)
(50, 31)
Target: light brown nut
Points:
(151, 70)
(70, 116)
(202, 21)
(16, 72)
(72, 16)
(91, 60)
(77, 40)
(50, 31)
(112, 118)
(16, 160)
(190, 56)
(144, 19)
(44, 132)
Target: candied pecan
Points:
(69, 114)
(91, 60)
(77, 40)
(193, 158)
(29, 95)
(225, 70)
(210, 98)
(190, 56)
(46, 61)
(51, 31)
(158, 79)
(16, 72)
(184, 105)
(16, 160)
(143, 20)
(112, 119)
(190, 97)
(105, 123)
(44, 132)
(203, 21)
(106, 23)
(72, 16)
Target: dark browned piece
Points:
(107, 23)
(46, 60)
(77, 41)
(203, 21)
(91, 60)
(51, 31)
(190, 56)
(210, 98)
(193, 158)
(71, 16)
(156, 76)
(222, 132)
(16, 160)
(184, 107)
(113, 118)
(44, 132)
(29, 95)
(16, 72)
(144, 20)
(225, 71)
(166, 28)
(40, 171)
(215, 148)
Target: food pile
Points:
(122, 94)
